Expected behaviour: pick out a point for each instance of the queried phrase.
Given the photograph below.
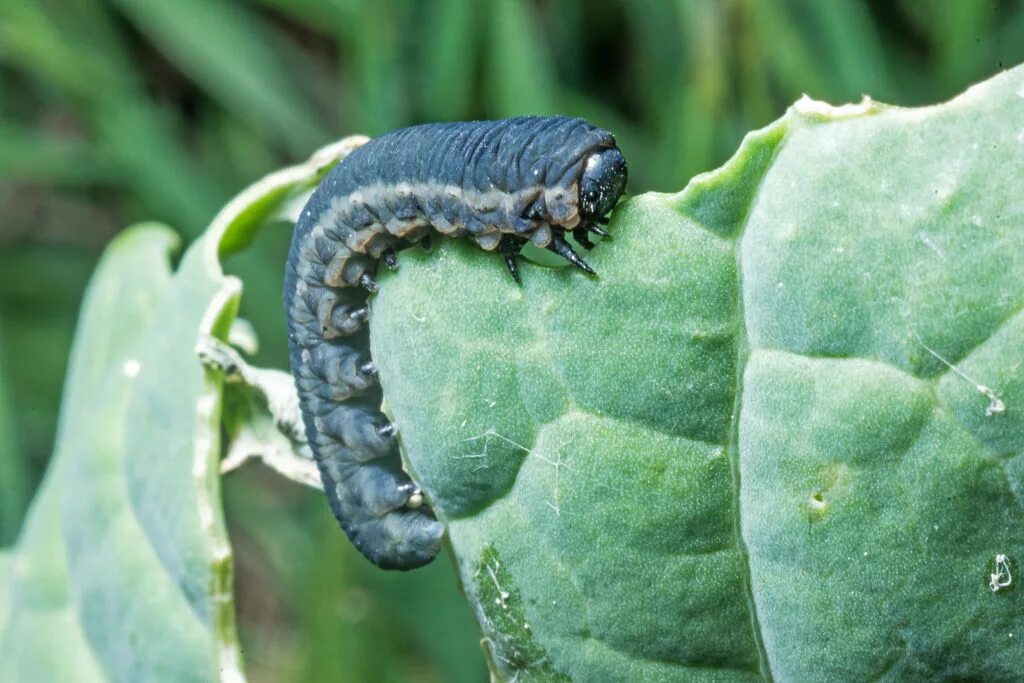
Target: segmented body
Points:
(500, 183)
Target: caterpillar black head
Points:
(602, 183)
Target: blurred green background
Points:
(114, 111)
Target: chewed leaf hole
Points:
(817, 501)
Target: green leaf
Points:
(76, 51)
(37, 618)
(377, 62)
(525, 84)
(124, 557)
(447, 73)
(780, 435)
(123, 566)
(62, 589)
(13, 472)
(28, 155)
(227, 50)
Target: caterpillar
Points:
(501, 183)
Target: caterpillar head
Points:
(602, 183)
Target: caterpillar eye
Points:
(602, 183)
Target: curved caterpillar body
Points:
(502, 183)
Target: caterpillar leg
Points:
(334, 372)
(562, 248)
(380, 508)
(374, 500)
(339, 319)
(373, 488)
(510, 246)
(358, 428)
(368, 478)
(368, 282)
(581, 235)
(318, 313)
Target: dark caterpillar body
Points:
(502, 183)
